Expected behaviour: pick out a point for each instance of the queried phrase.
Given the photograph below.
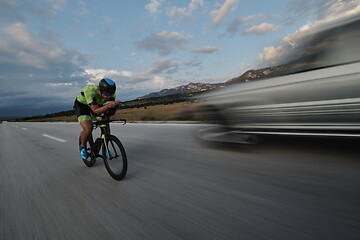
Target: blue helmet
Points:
(107, 86)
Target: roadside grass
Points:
(168, 112)
(183, 111)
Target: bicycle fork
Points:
(107, 152)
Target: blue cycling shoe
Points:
(108, 155)
(83, 153)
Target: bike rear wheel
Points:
(114, 157)
(91, 160)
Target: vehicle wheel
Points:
(115, 158)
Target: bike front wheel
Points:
(114, 157)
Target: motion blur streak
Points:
(316, 92)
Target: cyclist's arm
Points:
(95, 107)
(97, 110)
(113, 99)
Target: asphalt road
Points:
(176, 187)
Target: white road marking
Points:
(25, 128)
(55, 138)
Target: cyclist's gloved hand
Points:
(110, 112)
(113, 104)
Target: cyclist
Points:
(90, 102)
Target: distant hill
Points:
(251, 75)
(184, 89)
(259, 74)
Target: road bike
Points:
(112, 151)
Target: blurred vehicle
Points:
(317, 94)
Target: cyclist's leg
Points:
(87, 128)
(83, 113)
(87, 154)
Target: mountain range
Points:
(184, 89)
(251, 75)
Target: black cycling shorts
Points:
(82, 109)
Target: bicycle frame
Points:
(111, 148)
(103, 125)
(104, 135)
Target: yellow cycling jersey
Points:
(89, 95)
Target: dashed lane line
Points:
(54, 138)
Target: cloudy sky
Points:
(50, 49)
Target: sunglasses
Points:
(106, 93)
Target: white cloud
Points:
(159, 82)
(153, 6)
(194, 4)
(186, 12)
(178, 12)
(233, 27)
(329, 14)
(57, 4)
(261, 29)
(206, 49)
(26, 49)
(271, 55)
(164, 66)
(63, 84)
(164, 42)
(18, 32)
(218, 15)
(14, 11)
(83, 8)
(97, 74)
